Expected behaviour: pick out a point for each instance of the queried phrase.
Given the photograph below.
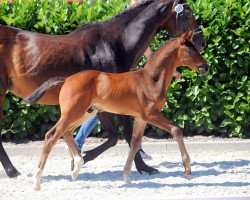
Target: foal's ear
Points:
(186, 36)
(190, 35)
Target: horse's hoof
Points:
(13, 173)
(126, 179)
(154, 171)
(149, 171)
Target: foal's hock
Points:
(141, 94)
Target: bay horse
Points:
(141, 94)
(28, 59)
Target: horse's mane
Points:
(139, 5)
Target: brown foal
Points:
(140, 93)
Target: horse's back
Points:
(8, 33)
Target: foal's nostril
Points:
(203, 69)
(206, 67)
(203, 44)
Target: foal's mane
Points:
(93, 24)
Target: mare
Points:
(28, 59)
(141, 94)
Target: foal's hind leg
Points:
(8, 167)
(78, 162)
(140, 165)
(139, 126)
(50, 140)
(77, 158)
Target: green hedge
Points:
(215, 104)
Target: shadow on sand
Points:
(209, 170)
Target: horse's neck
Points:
(162, 66)
(138, 29)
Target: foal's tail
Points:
(46, 86)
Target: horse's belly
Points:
(24, 86)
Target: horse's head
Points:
(188, 54)
(180, 19)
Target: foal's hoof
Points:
(36, 188)
(126, 179)
(188, 176)
(75, 174)
(13, 173)
(78, 163)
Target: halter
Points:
(180, 14)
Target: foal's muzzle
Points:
(203, 69)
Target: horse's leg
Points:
(139, 126)
(140, 165)
(158, 120)
(108, 123)
(8, 167)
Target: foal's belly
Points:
(116, 107)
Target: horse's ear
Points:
(163, 9)
(175, 4)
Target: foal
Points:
(141, 94)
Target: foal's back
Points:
(116, 93)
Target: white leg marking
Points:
(78, 161)
(37, 179)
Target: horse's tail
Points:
(46, 86)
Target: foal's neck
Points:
(163, 64)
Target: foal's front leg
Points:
(138, 130)
(140, 165)
(158, 120)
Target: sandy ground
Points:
(214, 174)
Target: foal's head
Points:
(188, 54)
(182, 20)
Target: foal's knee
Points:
(135, 144)
(177, 133)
